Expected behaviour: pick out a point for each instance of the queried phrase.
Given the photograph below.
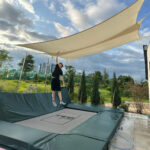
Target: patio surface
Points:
(133, 134)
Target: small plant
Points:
(139, 93)
(125, 107)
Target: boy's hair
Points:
(61, 63)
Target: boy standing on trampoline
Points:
(55, 83)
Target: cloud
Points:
(133, 48)
(52, 7)
(39, 36)
(25, 4)
(14, 15)
(18, 34)
(103, 9)
(15, 26)
(92, 13)
(78, 19)
(63, 30)
(5, 25)
(145, 32)
(21, 35)
(121, 60)
(13, 38)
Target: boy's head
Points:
(60, 65)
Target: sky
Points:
(27, 21)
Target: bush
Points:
(71, 95)
(125, 92)
(125, 107)
(108, 88)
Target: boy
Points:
(55, 83)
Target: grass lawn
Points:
(106, 95)
(11, 86)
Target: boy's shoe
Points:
(54, 103)
(61, 102)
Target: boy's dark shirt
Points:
(57, 72)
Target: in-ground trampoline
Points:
(31, 122)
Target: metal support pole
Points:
(21, 73)
(147, 62)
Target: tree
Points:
(5, 74)
(4, 57)
(105, 78)
(115, 95)
(77, 77)
(28, 64)
(89, 78)
(95, 97)
(70, 78)
(99, 76)
(16, 75)
(125, 79)
(82, 95)
(123, 84)
(71, 83)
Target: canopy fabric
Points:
(116, 31)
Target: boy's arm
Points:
(63, 82)
(57, 60)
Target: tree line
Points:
(96, 80)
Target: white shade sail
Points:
(116, 31)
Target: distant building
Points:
(45, 68)
(40, 69)
(35, 68)
(48, 68)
